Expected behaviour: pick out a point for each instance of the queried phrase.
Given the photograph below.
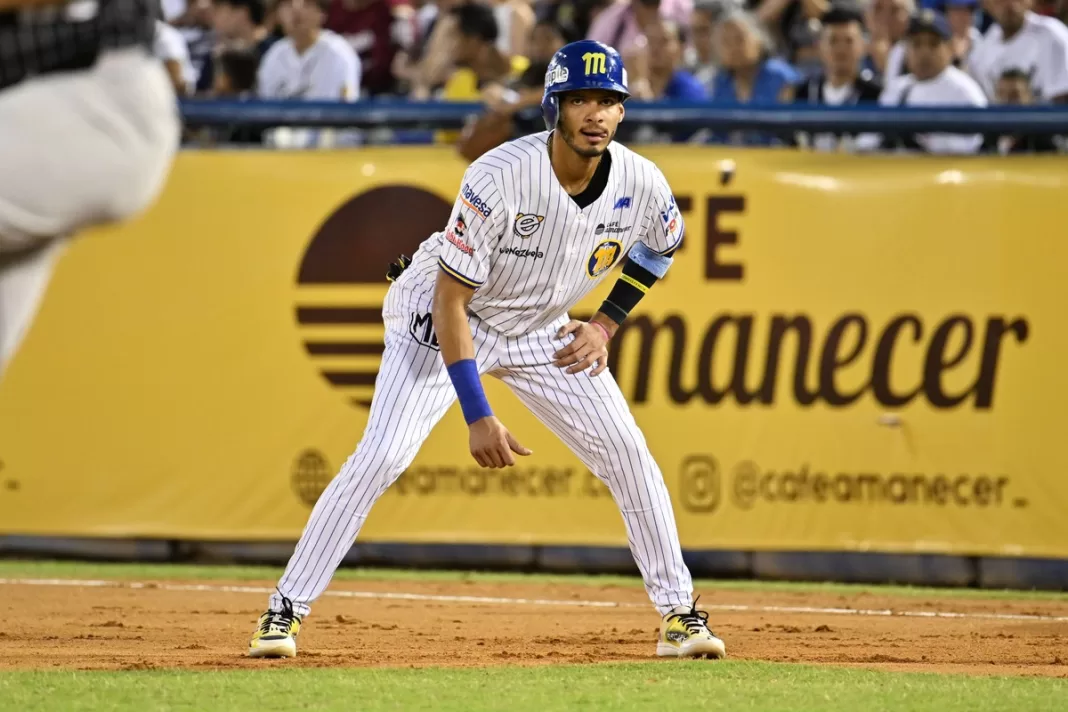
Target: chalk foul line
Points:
(441, 598)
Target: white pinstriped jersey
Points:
(527, 247)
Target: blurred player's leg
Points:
(23, 279)
(76, 149)
(412, 393)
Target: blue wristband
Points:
(468, 385)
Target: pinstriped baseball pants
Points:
(413, 392)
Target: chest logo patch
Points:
(527, 225)
(606, 254)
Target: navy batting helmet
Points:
(585, 64)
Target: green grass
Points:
(670, 685)
(94, 570)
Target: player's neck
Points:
(572, 170)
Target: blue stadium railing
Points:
(689, 115)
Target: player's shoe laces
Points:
(276, 633)
(686, 635)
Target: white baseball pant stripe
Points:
(412, 393)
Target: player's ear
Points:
(622, 111)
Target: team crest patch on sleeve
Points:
(527, 225)
(605, 255)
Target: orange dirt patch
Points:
(132, 628)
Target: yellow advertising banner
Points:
(848, 354)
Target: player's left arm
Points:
(647, 262)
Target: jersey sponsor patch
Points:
(517, 252)
(556, 75)
(670, 213)
(455, 235)
(612, 228)
(622, 203)
(603, 257)
(527, 225)
(471, 199)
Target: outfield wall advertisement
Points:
(858, 354)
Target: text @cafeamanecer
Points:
(702, 486)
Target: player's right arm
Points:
(476, 223)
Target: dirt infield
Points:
(206, 625)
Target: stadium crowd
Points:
(724, 52)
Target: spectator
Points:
(478, 60)
(239, 24)
(432, 59)
(749, 73)
(1024, 40)
(1014, 89)
(235, 78)
(514, 109)
(171, 49)
(888, 23)
(700, 55)
(195, 26)
(657, 72)
(376, 33)
(623, 24)
(961, 17)
(966, 36)
(546, 38)
(310, 63)
(804, 47)
(236, 24)
(515, 20)
(842, 81)
(795, 23)
(934, 81)
(575, 16)
(235, 74)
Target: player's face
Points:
(928, 55)
(589, 119)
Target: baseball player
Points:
(538, 223)
(88, 129)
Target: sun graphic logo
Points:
(341, 282)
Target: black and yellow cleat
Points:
(685, 634)
(276, 634)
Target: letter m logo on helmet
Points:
(581, 65)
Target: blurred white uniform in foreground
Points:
(89, 129)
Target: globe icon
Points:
(311, 475)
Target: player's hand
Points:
(492, 445)
(589, 348)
